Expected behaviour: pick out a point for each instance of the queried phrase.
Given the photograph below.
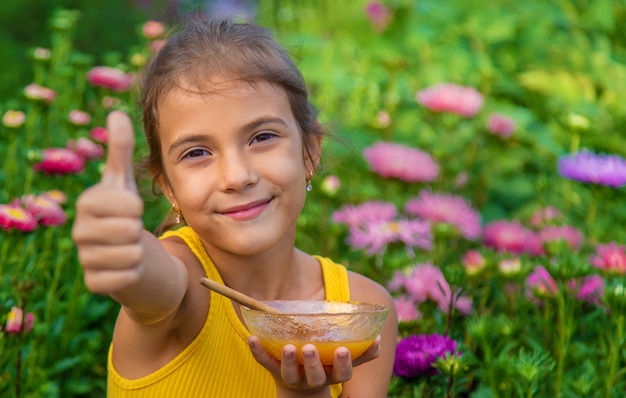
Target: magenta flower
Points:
(510, 266)
(427, 282)
(610, 258)
(589, 289)
(375, 236)
(39, 93)
(378, 15)
(14, 217)
(446, 209)
(511, 237)
(357, 215)
(17, 322)
(566, 233)
(111, 78)
(60, 161)
(406, 309)
(99, 134)
(86, 148)
(590, 168)
(45, 210)
(450, 97)
(392, 160)
(541, 284)
(416, 354)
(501, 125)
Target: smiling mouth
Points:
(247, 211)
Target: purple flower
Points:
(591, 168)
(416, 354)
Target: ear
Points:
(313, 152)
(165, 187)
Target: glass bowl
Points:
(325, 324)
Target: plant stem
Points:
(614, 350)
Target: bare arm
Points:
(118, 256)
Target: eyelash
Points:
(197, 152)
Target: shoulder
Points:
(365, 289)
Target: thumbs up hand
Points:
(108, 228)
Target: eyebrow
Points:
(256, 123)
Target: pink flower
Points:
(446, 209)
(501, 125)
(450, 97)
(78, 118)
(426, 282)
(364, 213)
(156, 45)
(545, 216)
(111, 78)
(109, 102)
(391, 160)
(13, 216)
(152, 29)
(60, 161)
(407, 309)
(610, 258)
(86, 148)
(39, 93)
(511, 237)
(378, 15)
(17, 322)
(473, 261)
(45, 210)
(375, 236)
(590, 288)
(56, 196)
(99, 134)
(568, 234)
(383, 119)
(510, 266)
(541, 284)
(331, 185)
(13, 118)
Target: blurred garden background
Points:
(476, 168)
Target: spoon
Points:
(236, 296)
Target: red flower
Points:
(60, 161)
(46, 210)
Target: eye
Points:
(264, 136)
(196, 153)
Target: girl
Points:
(234, 143)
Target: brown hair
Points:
(208, 48)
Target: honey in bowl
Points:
(325, 324)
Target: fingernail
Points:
(342, 354)
(288, 354)
(251, 344)
(308, 354)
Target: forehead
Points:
(221, 106)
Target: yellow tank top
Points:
(218, 362)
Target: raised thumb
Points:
(118, 170)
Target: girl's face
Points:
(235, 166)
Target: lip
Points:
(246, 211)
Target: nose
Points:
(236, 172)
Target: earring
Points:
(309, 186)
(179, 214)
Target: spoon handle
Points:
(237, 296)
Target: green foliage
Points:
(557, 68)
